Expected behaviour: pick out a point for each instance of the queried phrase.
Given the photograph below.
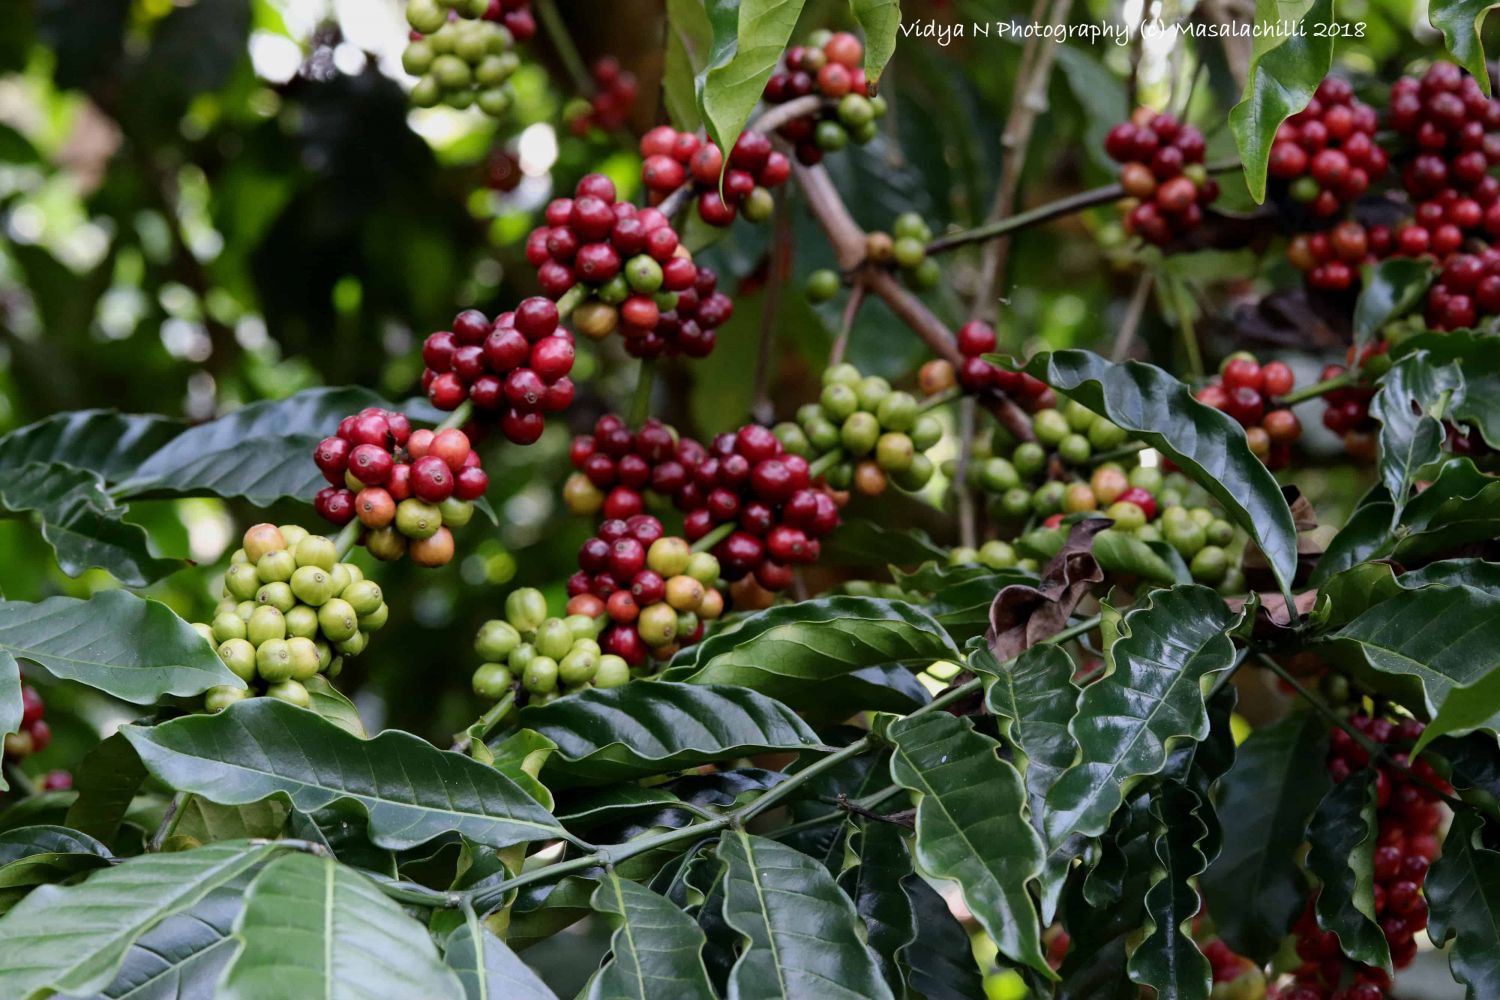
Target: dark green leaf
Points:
(1391, 288)
(940, 958)
(1123, 553)
(749, 38)
(1362, 537)
(689, 37)
(959, 597)
(182, 957)
(11, 709)
(971, 827)
(103, 441)
(20, 877)
(316, 930)
(1461, 507)
(656, 951)
(804, 654)
(860, 542)
(1342, 856)
(1474, 573)
(1253, 889)
(26, 841)
(802, 936)
(207, 821)
(106, 782)
(134, 649)
(1414, 397)
(1206, 444)
(211, 459)
(1463, 891)
(412, 791)
(881, 21)
(1280, 83)
(1167, 960)
(1152, 698)
(520, 757)
(1460, 22)
(83, 524)
(329, 702)
(618, 734)
(76, 937)
(875, 886)
(487, 968)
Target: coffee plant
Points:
(772, 501)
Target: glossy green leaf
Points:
(656, 951)
(1463, 892)
(411, 791)
(1390, 289)
(487, 968)
(331, 703)
(41, 855)
(182, 957)
(958, 597)
(1104, 910)
(83, 524)
(1367, 531)
(1460, 22)
(207, 821)
(102, 441)
(1461, 507)
(806, 654)
(106, 781)
(939, 962)
(1414, 397)
(121, 644)
(971, 826)
(689, 38)
(1342, 856)
(1122, 553)
(73, 939)
(1170, 645)
(1253, 888)
(862, 542)
(212, 460)
(316, 930)
(1207, 445)
(28, 841)
(749, 37)
(875, 886)
(881, 21)
(520, 757)
(11, 709)
(1167, 960)
(1448, 638)
(1280, 83)
(801, 936)
(1474, 573)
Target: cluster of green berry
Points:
(290, 611)
(549, 656)
(462, 60)
(904, 247)
(872, 434)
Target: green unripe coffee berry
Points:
(842, 374)
(273, 661)
(822, 433)
(668, 557)
(375, 620)
(703, 567)
(238, 558)
(302, 620)
(1219, 532)
(1048, 498)
(925, 275)
(312, 585)
(1210, 565)
(872, 391)
(1185, 535)
(496, 639)
(416, 519)
(427, 93)
(341, 576)
(417, 59)
(290, 692)
(426, 16)
(822, 285)
(997, 554)
(759, 205)
(996, 475)
(657, 625)
(219, 698)
(687, 624)
(304, 658)
(793, 439)
(585, 629)
(1126, 515)
(577, 667)
(839, 401)
(338, 620)
(523, 654)
(245, 609)
(554, 638)
(292, 534)
(540, 675)
(227, 626)
(926, 432)
(364, 597)
(898, 412)
(894, 452)
(241, 581)
(276, 567)
(456, 513)
(1050, 427)
(614, 291)
(354, 645)
(1148, 533)
(266, 623)
(1106, 436)
(1147, 478)
(496, 101)
(860, 432)
(1170, 498)
(963, 556)
(315, 550)
(1079, 417)
(493, 70)
(526, 608)
(1015, 503)
(643, 274)
(277, 595)
(452, 72)
(1075, 449)
(492, 681)
(612, 671)
(830, 137)
(916, 475)
(1029, 458)
(909, 252)
(1202, 516)
(910, 224)
(854, 110)
(239, 656)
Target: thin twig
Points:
(562, 43)
(1125, 337)
(761, 407)
(846, 325)
(968, 529)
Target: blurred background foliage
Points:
(209, 202)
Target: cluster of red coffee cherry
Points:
(1331, 259)
(691, 327)
(1162, 173)
(976, 375)
(1347, 409)
(515, 15)
(1243, 390)
(830, 65)
(615, 91)
(1327, 153)
(405, 486)
(514, 370)
(670, 159)
(617, 466)
(33, 735)
(1408, 816)
(1452, 125)
(1467, 288)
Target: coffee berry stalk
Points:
(406, 487)
(540, 656)
(461, 59)
(290, 611)
(864, 434)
